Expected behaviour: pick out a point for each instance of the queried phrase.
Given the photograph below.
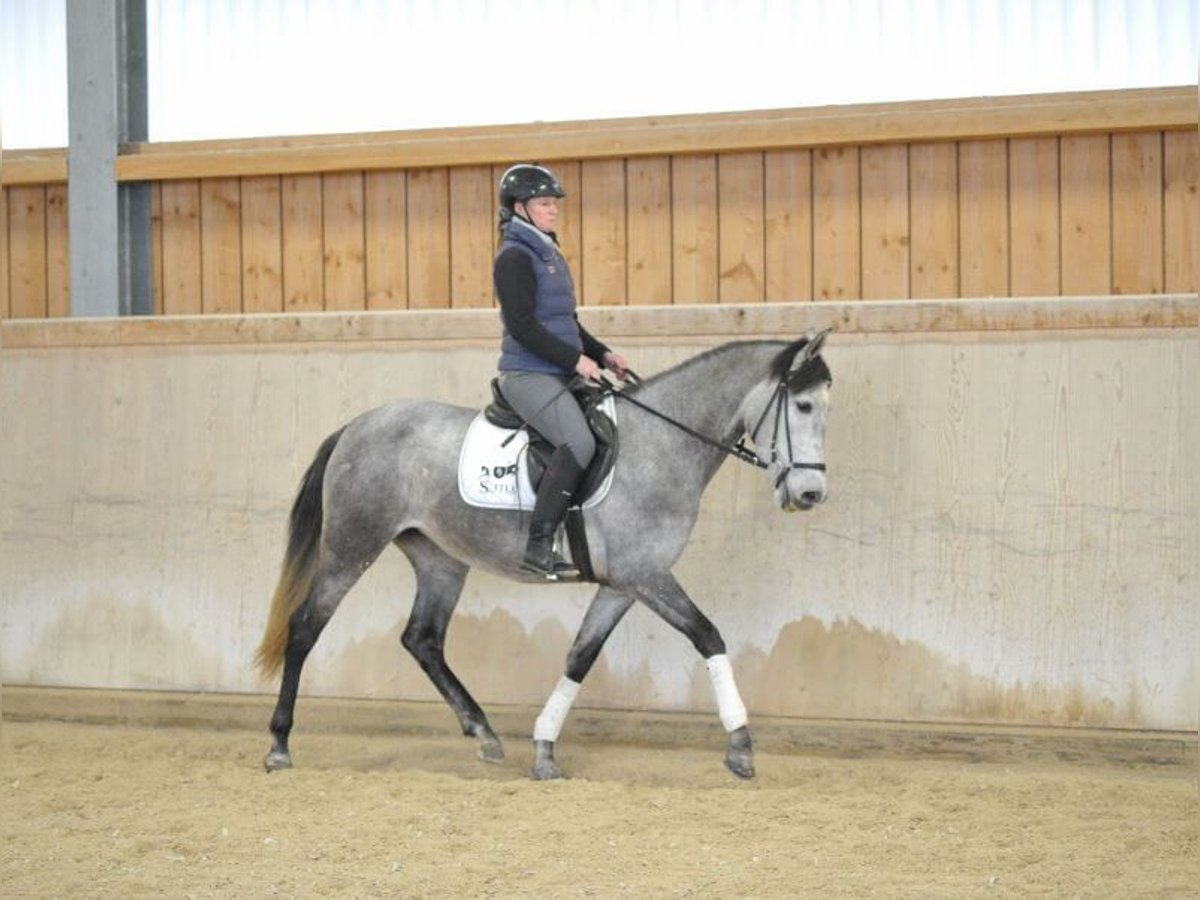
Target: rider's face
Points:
(542, 212)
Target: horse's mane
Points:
(810, 373)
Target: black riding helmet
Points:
(522, 183)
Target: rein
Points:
(739, 450)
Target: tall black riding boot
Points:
(554, 495)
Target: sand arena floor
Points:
(122, 802)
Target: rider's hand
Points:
(617, 363)
(587, 369)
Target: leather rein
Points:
(739, 450)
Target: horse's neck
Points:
(707, 396)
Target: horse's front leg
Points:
(664, 596)
(602, 616)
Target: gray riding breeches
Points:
(544, 402)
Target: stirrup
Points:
(561, 569)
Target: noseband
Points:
(779, 401)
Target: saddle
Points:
(500, 414)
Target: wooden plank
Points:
(694, 270)
(386, 201)
(58, 253)
(1137, 175)
(472, 237)
(648, 187)
(933, 208)
(1172, 108)
(1181, 176)
(156, 248)
(837, 227)
(27, 251)
(602, 280)
(885, 222)
(741, 225)
(4, 267)
(1033, 192)
(30, 167)
(983, 218)
(181, 248)
(1103, 316)
(221, 245)
(343, 224)
(1086, 176)
(262, 245)
(788, 230)
(428, 239)
(303, 244)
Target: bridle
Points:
(740, 451)
(779, 399)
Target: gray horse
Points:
(390, 476)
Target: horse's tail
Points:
(299, 562)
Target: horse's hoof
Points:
(546, 771)
(739, 757)
(491, 751)
(274, 761)
(544, 766)
(740, 764)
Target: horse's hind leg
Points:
(440, 579)
(329, 586)
(606, 610)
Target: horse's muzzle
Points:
(802, 501)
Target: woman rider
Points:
(543, 347)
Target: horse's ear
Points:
(812, 348)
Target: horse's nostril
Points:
(812, 497)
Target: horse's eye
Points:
(805, 407)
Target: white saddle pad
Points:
(494, 476)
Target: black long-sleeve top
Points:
(516, 287)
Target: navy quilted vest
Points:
(554, 304)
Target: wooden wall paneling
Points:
(386, 215)
(344, 256)
(428, 238)
(741, 226)
(472, 236)
(221, 245)
(602, 281)
(837, 224)
(788, 226)
(933, 214)
(885, 222)
(983, 218)
(1181, 178)
(156, 248)
(1035, 216)
(570, 213)
(58, 252)
(4, 269)
(1086, 198)
(303, 244)
(27, 251)
(181, 248)
(262, 244)
(694, 269)
(648, 188)
(1137, 178)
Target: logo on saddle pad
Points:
(495, 475)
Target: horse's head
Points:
(788, 426)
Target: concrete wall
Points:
(1010, 537)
